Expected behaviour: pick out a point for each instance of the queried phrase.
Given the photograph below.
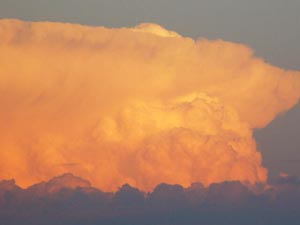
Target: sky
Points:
(270, 27)
(149, 112)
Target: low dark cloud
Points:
(71, 200)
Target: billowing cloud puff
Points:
(136, 105)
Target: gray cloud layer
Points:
(71, 200)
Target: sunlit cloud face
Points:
(133, 105)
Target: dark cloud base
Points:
(67, 200)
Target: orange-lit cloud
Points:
(136, 105)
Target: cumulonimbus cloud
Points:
(139, 105)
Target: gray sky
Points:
(270, 27)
